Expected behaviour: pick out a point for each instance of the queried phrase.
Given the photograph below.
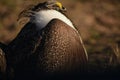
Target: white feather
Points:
(42, 18)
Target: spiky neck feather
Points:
(43, 17)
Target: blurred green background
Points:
(97, 20)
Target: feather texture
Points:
(61, 49)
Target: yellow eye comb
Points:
(59, 4)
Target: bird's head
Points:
(52, 4)
(48, 5)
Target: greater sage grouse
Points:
(48, 44)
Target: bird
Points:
(48, 43)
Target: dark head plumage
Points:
(55, 5)
(48, 5)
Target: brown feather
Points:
(61, 49)
(2, 64)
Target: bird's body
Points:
(49, 43)
(61, 50)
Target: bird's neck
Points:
(42, 18)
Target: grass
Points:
(9, 3)
(115, 57)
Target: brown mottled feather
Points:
(2, 62)
(61, 49)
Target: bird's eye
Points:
(63, 8)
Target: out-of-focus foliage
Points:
(9, 3)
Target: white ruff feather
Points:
(42, 18)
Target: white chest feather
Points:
(42, 18)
